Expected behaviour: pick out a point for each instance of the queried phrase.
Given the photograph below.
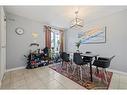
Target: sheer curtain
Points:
(48, 30)
(62, 40)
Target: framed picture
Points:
(94, 35)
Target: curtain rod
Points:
(56, 28)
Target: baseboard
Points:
(118, 72)
(115, 71)
(18, 68)
(112, 70)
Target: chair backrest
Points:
(46, 50)
(77, 58)
(107, 61)
(87, 59)
(61, 54)
(64, 56)
(111, 58)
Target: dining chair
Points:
(65, 60)
(77, 59)
(103, 63)
(87, 59)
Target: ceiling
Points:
(61, 16)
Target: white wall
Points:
(116, 39)
(18, 45)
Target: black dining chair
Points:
(65, 59)
(103, 63)
(87, 59)
(77, 59)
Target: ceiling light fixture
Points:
(77, 21)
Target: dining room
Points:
(75, 47)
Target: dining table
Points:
(91, 55)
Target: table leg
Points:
(91, 77)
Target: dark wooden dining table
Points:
(92, 56)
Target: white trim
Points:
(115, 71)
(112, 70)
(12, 69)
(118, 72)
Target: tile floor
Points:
(46, 78)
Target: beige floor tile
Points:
(115, 81)
(7, 75)
(69, 84)
(5, 86)
(15, 79)
(19, 87)
(123, 79)
(54, 85)
(46, 78)
(17, 72)
(36, 85)
(6, 81)
(17, 84)
(123, 86)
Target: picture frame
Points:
(95, 35)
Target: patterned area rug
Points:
(98, 79)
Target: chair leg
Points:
(74, 69)
(70, 65)
(105, 75)
(73, 66)
(81, 72)
(87, 71)
(62, 64)
(78, 70)
(67, 67)
(97, 70)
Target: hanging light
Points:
(77, 21)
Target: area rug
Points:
(98, 79)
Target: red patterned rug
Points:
(98, 79)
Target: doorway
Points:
(55, 43)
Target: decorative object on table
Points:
(78, 44)
(96, 84)
(94, 35)
(19, 31)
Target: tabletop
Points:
(90, 54)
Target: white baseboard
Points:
(115, 71)
(112, 70)
(118, 72)
(18, 68)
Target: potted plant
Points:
(78, 44)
